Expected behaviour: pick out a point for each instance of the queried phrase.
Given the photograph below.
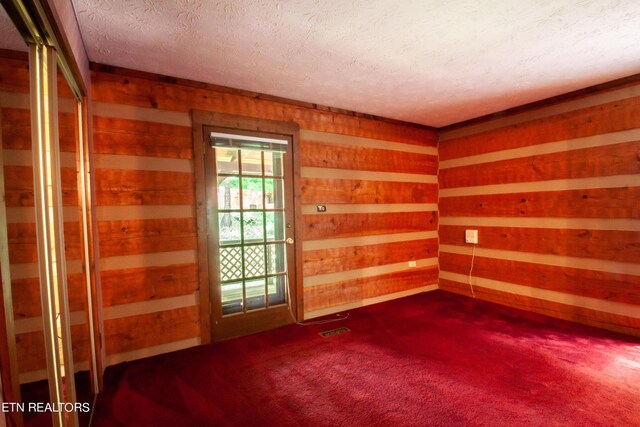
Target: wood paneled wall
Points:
(377, 179)
(555, 195)
(21, 229)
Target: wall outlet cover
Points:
(471, 236)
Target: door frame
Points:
(200, 120)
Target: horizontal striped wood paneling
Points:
(19, 186)
(599, 244)
(26, 295)
(145, 192)
(146, 236)
(113, 135)
(145, 93)
(614, 322)
(588, 203)
(324, 261)
(117, 187)
(149, 283)
(339, 156)
(23, 242)
(147, 330)
(618, 159)
(351, 191)
(596, 120)
(327, 226)
(348, 291)
(556, 201)
(381, 200)
(624, 288)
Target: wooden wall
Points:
(21, 228)
(377, 179)
(555, 195)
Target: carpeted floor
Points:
(433, 359)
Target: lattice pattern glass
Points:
(251, 220)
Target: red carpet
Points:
(433, 359)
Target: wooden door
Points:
(250, 224)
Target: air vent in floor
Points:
(336, 331)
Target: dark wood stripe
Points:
(322, 190)
(339, 156)
(128, 237)
(610, 117)
(19, 186)
(591, 203)
(617, 159)
(23, 242)
(174, 96)
(623, 288)
(31, 353)
(327, 226)
(118, 187)
(146, 284)
(140, 138)
(333, 294)
(16, 130)
(613, 322)
(324, 261)
(26, 295)
(148, 330)
(14, 73)
(621, 246)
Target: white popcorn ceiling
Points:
(432, 62)
(10, 37)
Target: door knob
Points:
(290, 241)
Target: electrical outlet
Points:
(412, 264)
(471, 236)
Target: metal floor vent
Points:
(336, 331)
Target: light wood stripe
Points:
(115, 161)
(322, 279)
(30, 270)
(33, 324)
(311, 245)
(547, 295)
(159, 259)
(128, 212)
(25, 158)
(546, 148)
(553, 185)
(152, 306)
(114, 359)
(368, 301)
(107, 109)
(33, 376)
(366, 142)
(15, 100)
(624, 224)
(328, 173)
(564, 107)
(27, 214)
(547, 259)
(372, 208)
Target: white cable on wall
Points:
(473, 256)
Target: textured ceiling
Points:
(432, 62)
(10, 37)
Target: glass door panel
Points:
(251, 220)
(252, 214)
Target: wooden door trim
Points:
(200, 120)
